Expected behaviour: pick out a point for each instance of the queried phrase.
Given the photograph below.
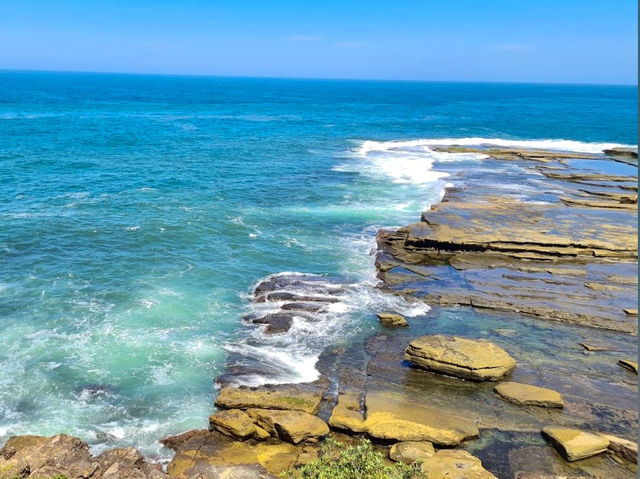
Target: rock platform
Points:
(547, 239)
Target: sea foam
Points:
(291, 357)
(545, 144)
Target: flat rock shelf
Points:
(548, 239)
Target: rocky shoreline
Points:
(474, 390)
(561, 246)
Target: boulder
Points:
(296, 397)
(291, 426)
(288, 296)
(177, 441)
(392, 417)
(630, 365)
(411, 451)
(392, 320)
(309, 306)
(527, 395)
(126, 462)
(62, 455)
(233, 423)
(454, 464)
(622, 447)
(346, 414)
(277, 323)
(575, 444)
(475, 359)
(38, 456)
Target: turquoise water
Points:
(137, 212)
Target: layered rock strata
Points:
(475, 359)
(561, 245)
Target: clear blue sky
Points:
(581, 41)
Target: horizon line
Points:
(269, 77)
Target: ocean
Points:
(138, 212)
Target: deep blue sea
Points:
(137, 212)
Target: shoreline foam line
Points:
(544, 144)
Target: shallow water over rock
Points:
(598, 394)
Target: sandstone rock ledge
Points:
(547, 239)
(475, 359)
(295, 397)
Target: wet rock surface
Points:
(289, 319)
(596, 392)
(562, 246)
(395, 417)
(550, 240)
(280, 299)
(392, 320)
(528, 395)
(575, 444)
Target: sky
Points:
(561, 41)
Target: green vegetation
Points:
(293, 401)
(361, 461)
(4, 475)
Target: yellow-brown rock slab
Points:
(392, 320)
(575, 444)
(454, 464)
(346, 414)
(528, 395)
(290, 426)
(391, 416)
(234, 423)
(411, 451)
(475, 359)
(305, 398)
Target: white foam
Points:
(291, 357)
(546, 144)
(400, 166)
